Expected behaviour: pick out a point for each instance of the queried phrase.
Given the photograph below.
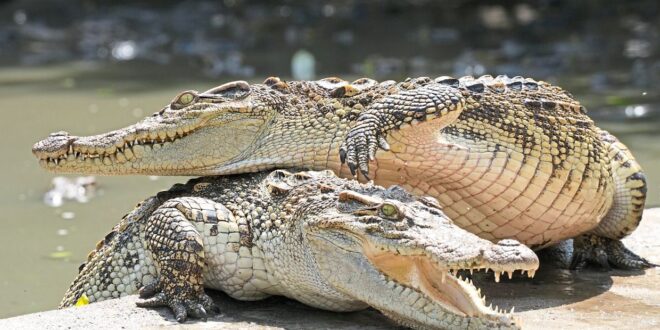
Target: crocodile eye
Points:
(183, 100)
(389, 211)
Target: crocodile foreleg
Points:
(440, 103)
(177, 249)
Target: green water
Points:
(38, 262)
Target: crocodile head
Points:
(170, 142)
(402, 255)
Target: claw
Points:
(209, 304)
(382, 143)
(158, 300)
(365, 174)
(179, 312)
(342, 154)
(353, 168)
(150, 289)
(198, 312)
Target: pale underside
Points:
(494, 195)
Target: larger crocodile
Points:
(328, 242)
(506, 157)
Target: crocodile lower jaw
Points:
(443, 285)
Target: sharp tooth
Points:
(510, 274)
(479, 291)
(471, 271)
(57, 161)
(512, 308)
(70, 149)
(497, 276)
(531, 273)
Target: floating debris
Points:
(303, 65)
(60, 253)
(80, 189)
(68, 215)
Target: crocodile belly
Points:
(503, 194)
(233, 265)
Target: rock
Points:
(554, 299)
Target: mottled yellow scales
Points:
(505, 157)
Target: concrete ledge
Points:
(554, 299)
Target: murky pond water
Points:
(43, 245)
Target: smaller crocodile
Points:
(331, 243)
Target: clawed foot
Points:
(361, 145)
(605, 252)
(184, 301)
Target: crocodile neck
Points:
(273, 150)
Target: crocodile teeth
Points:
(497, 276)
(122, 151)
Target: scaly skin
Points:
(328, 242)
(506, 157)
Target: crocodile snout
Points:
(55, 145)
(510, 254)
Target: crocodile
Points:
(505, 157)
(328, 242)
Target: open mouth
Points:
(60, 148)
(442, 285)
